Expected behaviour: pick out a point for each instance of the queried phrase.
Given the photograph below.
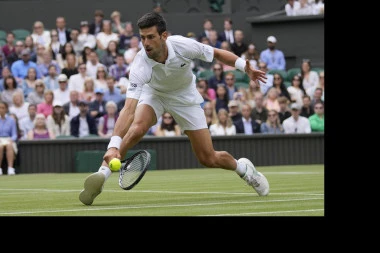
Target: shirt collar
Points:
(171, 54)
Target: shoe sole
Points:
(265, 193)
(92, 188)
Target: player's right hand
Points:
(110, 154)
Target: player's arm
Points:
(233, 60)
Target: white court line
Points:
(157, 206)
(21, 191)
(242, 214)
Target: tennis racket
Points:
(133, 169)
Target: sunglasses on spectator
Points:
(167, 117)
(272, 115)
(318, 107)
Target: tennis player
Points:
(161, 79)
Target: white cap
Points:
(294, 106)
(62, 78)
(57, 103)
(272, 39)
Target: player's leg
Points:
(1, 157)
(144, 118)
(10, 158)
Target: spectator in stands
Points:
(278, 83)
(168, 126)
(133, 49)
(112, 93)
(48, 61)
(40, 35)
(207, 27)
(85, 36)
(321, 85)
(16, 54)
(210, 114)
(213, 38)
(271, 100)
(97, 107)
(67, 49)
(40, 130)
(37, 95)
(10, 87)
(8, 139)
(88, 93)
(318, 7)
(109, 57)
(119, 69)
(63, 32)
(86, 52)
(117, 26)
(19, 132)
(264, 87)
(296, 123)
(222, 98)
(306, 109)
(230, 85)
(46, 107)
(29, 82)
(72, 108)
(51, 80)
(252, 55)
(70, 68)
(239, 46)
(5, 72)
(272, 125)
(26, 124)
(228, 33)
(211, 94)
(274, 58)
(234, 110)
(317, 120)
(3, 62)
(107, 122)
(224, 125)
(226, 46)
(296, 90)
(126, 36)
(97, 24)
(202, 89)
(30, 44)
(260, 112)
(305, 9)
(55, 46)
(20, 68)
(83, 124)
(62, 93)
(9, 47)
(218, 76)
(101, 78)
(200, 65)
(317, 96)
(76, 82)
(310, 77)
(93, 64)
(105, 36)
(251, 90)
(246, 125)
(19, 106)
(78, 45)
(40, 49)
(291, 7)
(58, 122)
(284, 112)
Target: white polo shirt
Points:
(174, 79)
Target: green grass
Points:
(295, 191)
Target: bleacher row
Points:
(242, 79)
(20, 34)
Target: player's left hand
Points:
(254, 74)
(110, 154)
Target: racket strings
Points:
(132, 171)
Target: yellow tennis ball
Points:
(115, 164)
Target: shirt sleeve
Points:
(139, 75)
(192, 49)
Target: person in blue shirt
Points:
(20, 68)
(8, 138)
(273, 57)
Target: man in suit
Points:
(228, 33)
(63, 32)
(97, 25)
(98, 106)
(83, 124)
(246, 125)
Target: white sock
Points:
(241, 168)
(106, 171)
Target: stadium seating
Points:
(20, 34)
(318, 70)
(2, 42)
(283, 73)
(206, 74)
(3, 35)
(291, 73)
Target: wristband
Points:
(114, 142)
(240, 64)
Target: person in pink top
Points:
(46, 108)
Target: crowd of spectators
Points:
(72, 82)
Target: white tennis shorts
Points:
(185, 107)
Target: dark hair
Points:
(151, 19)
(6, 87)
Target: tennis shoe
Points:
(1, 171)
(11, 171)
(93, 186)
(255, 178)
